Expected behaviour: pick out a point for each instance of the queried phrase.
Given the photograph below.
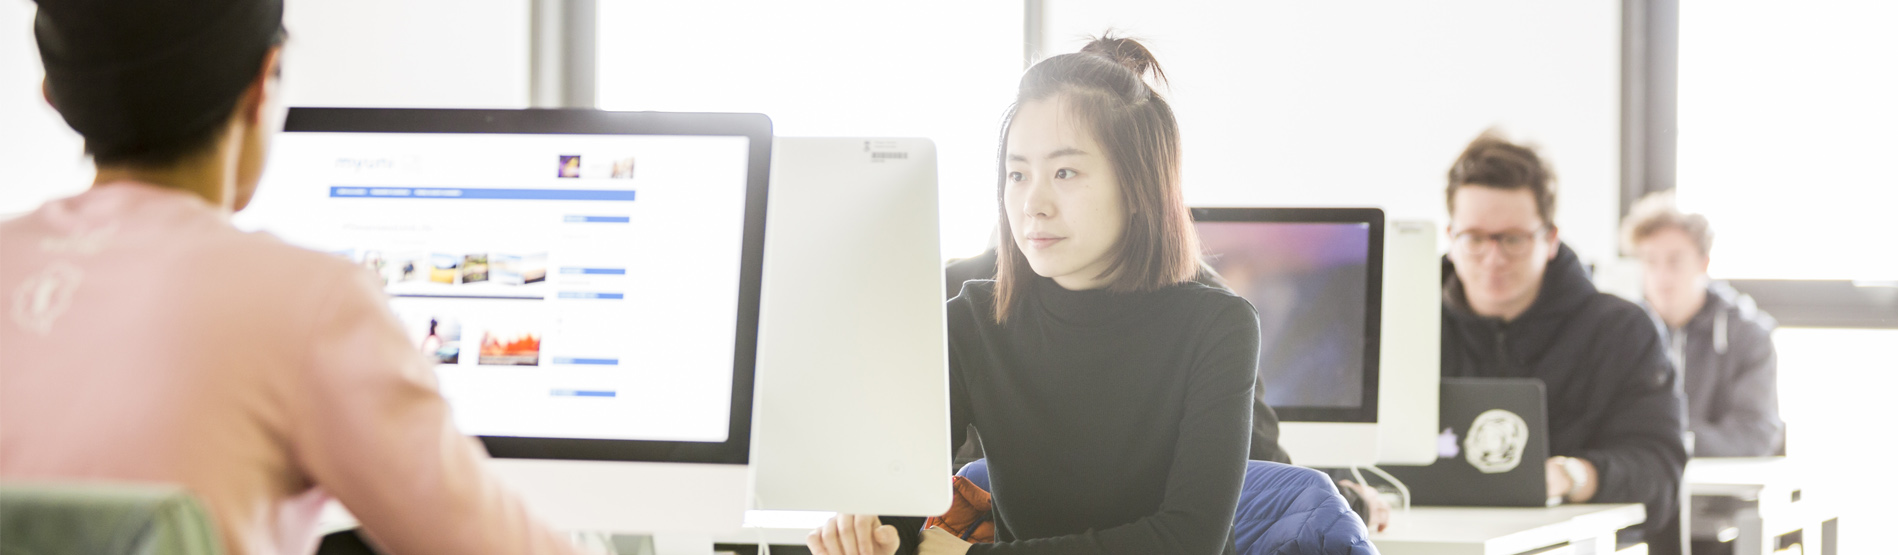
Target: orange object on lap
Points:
(968, 516)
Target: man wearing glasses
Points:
(1518, 303)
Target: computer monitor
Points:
(853, 394)
(587, 283)
(1410, 346)
(1316, 277)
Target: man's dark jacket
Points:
(1614, 398)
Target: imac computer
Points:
(587, 283)
(1342, 336)
(853, 398)
(1315, 276)
(1410, 344)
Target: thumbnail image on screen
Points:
(1308, 282)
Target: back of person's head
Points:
(1105, 88)
(1656, 213)
(149, 82)
(1495, 162)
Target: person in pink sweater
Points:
(145, 339)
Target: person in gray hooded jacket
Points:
(1719, 339)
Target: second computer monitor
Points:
(585, 285)
(1316, 277)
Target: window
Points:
(1788, 130)
(937, 69)
(1834, 389)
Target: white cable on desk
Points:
(1403, 492)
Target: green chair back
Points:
(59, 518)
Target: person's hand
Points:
(1379, 516)
(938, 542)
(1559, 484)
(853, 535)
(1564, 488)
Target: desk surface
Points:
(1502, 530)
(1740, 475)
(1783, 495)
(1475, 530)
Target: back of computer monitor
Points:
(1413, 313)
(852, 402)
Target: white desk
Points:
(775, 528)
(1585, 529)
(1768, 497)
(1571, 529)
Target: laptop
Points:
(1493, 450)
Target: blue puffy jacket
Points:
(1292, 510)
(1283, 510)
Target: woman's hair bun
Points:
(1129, 53)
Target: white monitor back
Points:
(1410, 343)
(853, 397)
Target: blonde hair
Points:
(1655, 213)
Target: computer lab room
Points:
(928, 277)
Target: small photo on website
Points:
(442, 344)
(444, 268)
(570, 165)
(474, 268)
(500, 347)
(372, 260)
(403, 267)
(623, 168)
(518, 269)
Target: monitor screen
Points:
(565, 286)
(1311, 273)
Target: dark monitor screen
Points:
(1315, 277)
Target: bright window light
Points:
(1834, 393)
(937, 69)
(1788, 133)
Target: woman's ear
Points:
(264, 89)
(46, 92)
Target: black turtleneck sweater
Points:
(1113, 423)
(1614, 399)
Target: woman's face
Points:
(1064, 205)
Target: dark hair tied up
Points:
(1104, 86)
(1129, 53)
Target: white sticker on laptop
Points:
(1496, 441)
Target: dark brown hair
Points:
(1656, 212)
(1495, 162)
(1103, 86)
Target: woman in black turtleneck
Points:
(1112, 393)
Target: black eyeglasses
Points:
(1513, 243)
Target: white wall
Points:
(39, 155)
(942, 69)
(408, 54)
(1367, 102)
(415, 53)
